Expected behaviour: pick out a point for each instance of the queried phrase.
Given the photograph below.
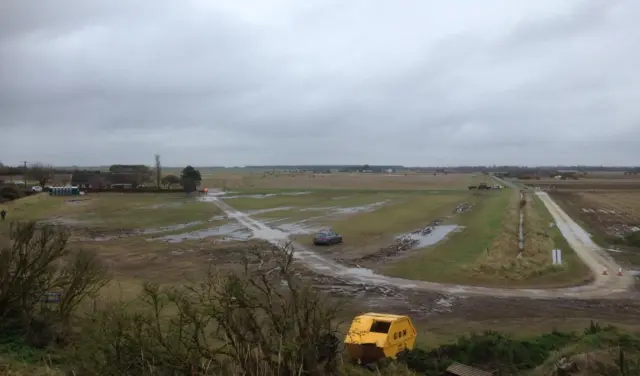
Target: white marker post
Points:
(553, 257)
(556, 255)
(559, 256)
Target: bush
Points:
(34, 263)
(262, 321)
(9, 193)
(489, 350)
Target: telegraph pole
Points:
(25, 174)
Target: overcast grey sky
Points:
(234, 82)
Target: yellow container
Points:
(375, 335)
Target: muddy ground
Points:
(420, 305)
(358, 297)
(608, 222)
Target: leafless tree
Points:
(40, 172)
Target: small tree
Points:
(170, 180)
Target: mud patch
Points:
(263, 195)
(357, 209)
(298, 228)
(326, 208)
(428, 236)
(77, 201)
(420, 238)
(66, 221)
(269, 210)
(374, 296)
(166, 205)
(463, 208)
(177, 227)
(228, 232)
(620, 230)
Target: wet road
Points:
(610, 286)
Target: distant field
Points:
(361, 181)
(606, 204)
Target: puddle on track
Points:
(177, 227)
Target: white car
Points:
(36, 188)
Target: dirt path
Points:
(610, 286)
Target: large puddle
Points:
(429, 235)
(259, 196)
(228, 232)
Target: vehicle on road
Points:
(327, 237)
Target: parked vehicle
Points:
(327, 237)
(374, 336)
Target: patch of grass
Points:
(126, 211)
(544, 238)
(278, 180)
(448, 261)
(533, 268)
(366, 232)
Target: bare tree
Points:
(158, 170)
(40, 172)
(170, 180)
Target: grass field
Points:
(461, 257)
(482, 250)
(486, 251)
(358, 181)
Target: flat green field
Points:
(486, 251)
(447, 260)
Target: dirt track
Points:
(610, 286)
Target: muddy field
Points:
(610, 216)
(598, 184)
(168, 239)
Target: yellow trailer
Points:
(373, 336)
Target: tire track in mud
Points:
(611, 286)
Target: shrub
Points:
(35, 262)
(263, 321)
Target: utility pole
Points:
(24, 174)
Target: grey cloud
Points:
(283, 81)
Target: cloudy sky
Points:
(414, 82)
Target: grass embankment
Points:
(486, 251)
(534, 267)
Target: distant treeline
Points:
(19, 170)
